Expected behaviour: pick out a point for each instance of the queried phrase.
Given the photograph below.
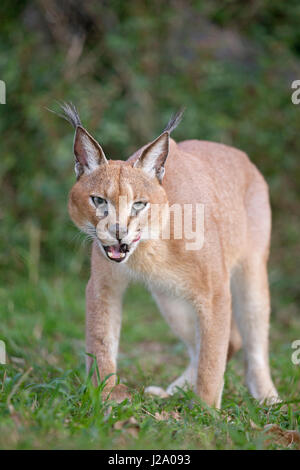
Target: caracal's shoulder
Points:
(207, 148)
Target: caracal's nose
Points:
(118, 231)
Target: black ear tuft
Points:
(174, 121)
(69, 113)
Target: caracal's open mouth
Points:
(118, 252)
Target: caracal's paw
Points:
(270, 400)
(157, 391)
(118, 393)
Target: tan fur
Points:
(195, 290)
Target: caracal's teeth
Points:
(110, 254)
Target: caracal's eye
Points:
(98, 201)
(139, 205)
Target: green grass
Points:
(46, 401)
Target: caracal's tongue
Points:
(114, 251)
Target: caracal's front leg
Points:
(103, 320)
(214, 313)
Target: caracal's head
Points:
(113, 200)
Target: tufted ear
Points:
(88, 153)
(153, 157)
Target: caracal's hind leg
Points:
(182, 320)
(251, 293)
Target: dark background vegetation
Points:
(127, 65)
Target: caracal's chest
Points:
(160, 270)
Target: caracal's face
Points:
(112, 204)
(111, 200)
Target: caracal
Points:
(214, 292)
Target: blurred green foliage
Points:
(127, 66)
